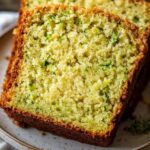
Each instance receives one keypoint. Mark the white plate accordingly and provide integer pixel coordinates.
(31, 138)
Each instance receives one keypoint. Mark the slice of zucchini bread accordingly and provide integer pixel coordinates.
(137, 11)
(72, 72)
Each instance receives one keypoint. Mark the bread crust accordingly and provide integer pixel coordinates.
(141, 83)
(61, 128)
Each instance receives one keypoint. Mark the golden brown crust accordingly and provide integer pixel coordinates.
(14, 63)
(58, 129)
(141, 83)
(62, 128)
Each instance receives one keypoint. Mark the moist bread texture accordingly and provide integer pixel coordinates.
(72, 72)
(137, 11)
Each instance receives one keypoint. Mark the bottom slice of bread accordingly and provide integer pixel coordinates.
(26, 120)
(72, 72)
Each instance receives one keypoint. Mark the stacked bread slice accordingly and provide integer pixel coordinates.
(76, 67)
(136, 11)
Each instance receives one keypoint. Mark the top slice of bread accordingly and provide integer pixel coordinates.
(137, 11)
(72, 71)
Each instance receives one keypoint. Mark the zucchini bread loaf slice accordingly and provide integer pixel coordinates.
(72, 72)
(137, 11)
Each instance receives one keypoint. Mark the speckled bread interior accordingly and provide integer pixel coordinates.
(87, 89)
(126, 9)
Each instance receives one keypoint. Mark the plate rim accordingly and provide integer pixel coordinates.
(31, 147)
(15, 139)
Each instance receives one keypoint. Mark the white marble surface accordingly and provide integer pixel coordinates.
(5, 146)
(7, 21)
